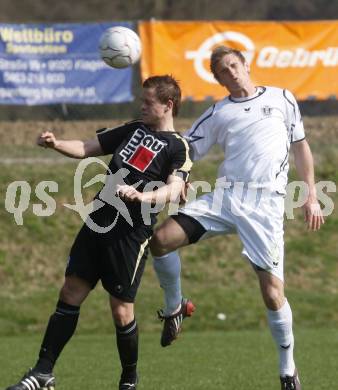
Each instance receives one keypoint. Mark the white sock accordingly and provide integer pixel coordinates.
(280, 323)
(168, 271)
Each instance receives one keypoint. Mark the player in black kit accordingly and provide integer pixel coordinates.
(112, 244)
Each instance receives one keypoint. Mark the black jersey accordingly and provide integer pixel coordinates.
(147, 155)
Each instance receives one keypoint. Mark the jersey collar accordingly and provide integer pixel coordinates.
(259, 91)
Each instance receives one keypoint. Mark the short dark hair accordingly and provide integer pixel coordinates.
(219, 52)
(166, 88)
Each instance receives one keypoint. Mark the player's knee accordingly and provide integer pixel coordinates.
(74, 292)
(122, 315)
(159, 244)
(69, 296)
(273, 298)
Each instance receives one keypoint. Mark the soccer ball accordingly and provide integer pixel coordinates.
(120, 47)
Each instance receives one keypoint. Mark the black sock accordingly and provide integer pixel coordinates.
(127, 345)
(60, 329)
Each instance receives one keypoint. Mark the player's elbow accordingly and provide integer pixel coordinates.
(91, 148)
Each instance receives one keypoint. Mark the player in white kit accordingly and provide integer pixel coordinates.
(256, 127)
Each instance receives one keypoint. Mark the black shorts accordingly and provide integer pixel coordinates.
(116, 258)
(192, 228)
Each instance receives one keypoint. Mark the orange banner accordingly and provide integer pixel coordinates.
(299, 56)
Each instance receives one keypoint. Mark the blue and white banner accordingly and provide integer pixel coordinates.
(59, 63)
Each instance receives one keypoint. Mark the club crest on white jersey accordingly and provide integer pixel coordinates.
(141, 150)
(266, 110)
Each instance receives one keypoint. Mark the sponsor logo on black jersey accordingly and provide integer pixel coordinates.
(141, 150)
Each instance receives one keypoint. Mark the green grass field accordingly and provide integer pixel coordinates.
(198, 360)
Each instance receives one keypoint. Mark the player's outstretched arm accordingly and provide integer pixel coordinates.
(171, 191)
(71, 148)
(304, 165)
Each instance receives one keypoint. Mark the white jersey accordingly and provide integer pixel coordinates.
(255, 134)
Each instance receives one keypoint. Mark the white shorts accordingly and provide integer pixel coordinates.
(255, 216)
